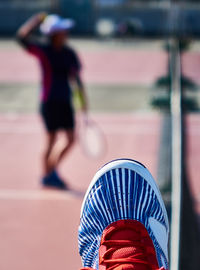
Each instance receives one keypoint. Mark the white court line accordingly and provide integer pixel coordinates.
(43, 195)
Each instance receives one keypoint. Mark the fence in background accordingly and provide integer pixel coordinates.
(14, 12)
(152, 16)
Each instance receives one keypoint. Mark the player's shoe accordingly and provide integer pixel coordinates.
(54, 181)
(124, 223)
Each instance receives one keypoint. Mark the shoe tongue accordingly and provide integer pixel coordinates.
(124, 251)
(124, 235)
(127, 251)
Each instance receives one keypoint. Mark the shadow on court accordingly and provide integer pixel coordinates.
(190, 230)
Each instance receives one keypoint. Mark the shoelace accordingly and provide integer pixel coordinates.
(113, 245)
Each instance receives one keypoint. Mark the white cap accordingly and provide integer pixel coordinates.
(54, 23)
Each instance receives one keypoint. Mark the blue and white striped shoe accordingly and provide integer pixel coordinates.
(122, 190)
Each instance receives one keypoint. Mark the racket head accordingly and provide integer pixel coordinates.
(92, 139)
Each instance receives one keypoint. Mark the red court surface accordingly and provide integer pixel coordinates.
(38, 227)
(106, 66)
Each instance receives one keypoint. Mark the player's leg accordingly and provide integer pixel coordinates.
(53, 179)
(57, 117)
(124, 223)
(50, 124)
(50, 140)
(70, 139)
(67, 123)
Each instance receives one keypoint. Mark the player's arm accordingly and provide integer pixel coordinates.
(82, 93)
(75, 76)
(30, 25)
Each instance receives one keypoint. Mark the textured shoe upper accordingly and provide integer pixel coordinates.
(121, 194)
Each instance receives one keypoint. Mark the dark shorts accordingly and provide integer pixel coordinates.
(57, 116)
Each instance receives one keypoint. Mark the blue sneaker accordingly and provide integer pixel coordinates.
(124, 223)
(54, 181)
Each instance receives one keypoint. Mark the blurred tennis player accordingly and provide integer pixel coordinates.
(59, 66)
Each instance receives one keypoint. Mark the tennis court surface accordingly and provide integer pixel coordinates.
(39, 227)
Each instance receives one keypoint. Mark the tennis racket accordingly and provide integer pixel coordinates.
(92, 139)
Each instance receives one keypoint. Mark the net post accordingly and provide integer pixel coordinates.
(176, 159)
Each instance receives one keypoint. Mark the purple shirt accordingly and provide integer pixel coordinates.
(57, 67)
